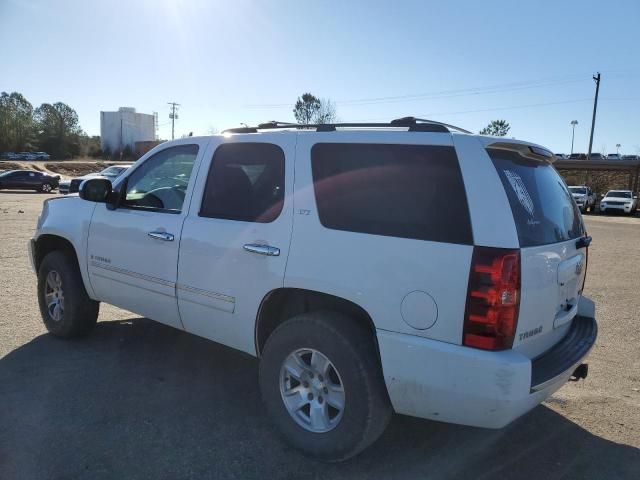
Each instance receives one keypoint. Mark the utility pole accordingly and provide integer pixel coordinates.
(595, 106)
(173, 116)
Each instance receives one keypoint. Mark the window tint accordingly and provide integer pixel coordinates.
(409, 191)
(160, 183)
(542, 206)
(245, 182)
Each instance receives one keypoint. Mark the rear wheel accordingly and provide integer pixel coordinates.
(66, 309)
(322, 383)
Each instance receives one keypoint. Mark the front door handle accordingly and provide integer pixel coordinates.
(167, 237)
(262, 249)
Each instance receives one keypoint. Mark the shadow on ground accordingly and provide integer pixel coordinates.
(140, 400)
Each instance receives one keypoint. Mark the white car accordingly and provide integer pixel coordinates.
(620, 201)
(335, 254)
(72, 186)
(585, 197)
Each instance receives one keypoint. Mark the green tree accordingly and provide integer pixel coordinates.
(497, 128)
(311, 109)
(58, 129)
(306, 108)
(16, 123)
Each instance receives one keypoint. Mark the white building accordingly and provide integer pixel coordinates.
(124, 128)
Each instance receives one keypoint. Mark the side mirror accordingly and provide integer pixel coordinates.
(96, 190)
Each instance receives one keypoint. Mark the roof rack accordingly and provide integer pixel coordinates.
(413, 124)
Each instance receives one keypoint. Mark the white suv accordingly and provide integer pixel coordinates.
(620, 201)
(372, 268)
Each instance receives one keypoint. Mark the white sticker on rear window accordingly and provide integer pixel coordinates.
(521, 190)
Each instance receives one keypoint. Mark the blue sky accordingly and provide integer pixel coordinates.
(232, 61)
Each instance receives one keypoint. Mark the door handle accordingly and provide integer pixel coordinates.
(167, 237)
(262, 249)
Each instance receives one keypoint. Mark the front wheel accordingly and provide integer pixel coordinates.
(66, 309)
(46, 188)
(322, 383)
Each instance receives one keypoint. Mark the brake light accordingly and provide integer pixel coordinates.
(493, 299)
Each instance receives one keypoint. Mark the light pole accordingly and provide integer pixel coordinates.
(618, 149)
(573, 133)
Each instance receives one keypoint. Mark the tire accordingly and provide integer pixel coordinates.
(77, 313)
(351, 351)
(46, 188)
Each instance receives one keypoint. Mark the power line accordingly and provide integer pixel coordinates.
(472, 91)
(492, 109)
(488, 89)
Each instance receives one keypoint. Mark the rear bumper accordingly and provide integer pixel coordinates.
(440, 381)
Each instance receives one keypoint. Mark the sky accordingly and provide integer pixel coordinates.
(228, 62)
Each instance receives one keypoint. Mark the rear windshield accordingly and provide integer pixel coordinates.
(580, 190)
(542, 206)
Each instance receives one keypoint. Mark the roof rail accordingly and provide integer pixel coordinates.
(413, 124)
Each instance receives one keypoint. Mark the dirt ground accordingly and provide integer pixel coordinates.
(140, 400)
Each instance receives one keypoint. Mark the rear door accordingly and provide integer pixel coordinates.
(553, 264)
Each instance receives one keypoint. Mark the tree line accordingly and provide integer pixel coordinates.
(52, 127)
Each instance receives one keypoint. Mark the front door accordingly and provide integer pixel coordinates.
(236, 238)
(133, 250)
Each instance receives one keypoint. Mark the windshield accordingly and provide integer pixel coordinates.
(619, 194)
(112, 171)
(580, 190)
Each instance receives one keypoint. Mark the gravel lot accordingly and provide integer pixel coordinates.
(141, 400)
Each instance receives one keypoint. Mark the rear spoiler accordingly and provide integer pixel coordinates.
(529, 150)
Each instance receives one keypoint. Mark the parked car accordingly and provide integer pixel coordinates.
(585, 197)
(41, 155)
(72, 186)
(28, 180)
(630, 157)
(614, 156)
(619, 200)
(561, 156)
(578, 156)
(5, 155)
(597, 156)
(11, 156)
(332, 257)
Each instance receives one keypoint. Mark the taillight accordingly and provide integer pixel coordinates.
(493, 299)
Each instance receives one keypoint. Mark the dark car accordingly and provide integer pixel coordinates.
(28, 180)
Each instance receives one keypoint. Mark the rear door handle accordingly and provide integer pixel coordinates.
(262, 249)
(167, 237)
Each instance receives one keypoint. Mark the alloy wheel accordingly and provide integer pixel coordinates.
(54, 296)
(312, 390)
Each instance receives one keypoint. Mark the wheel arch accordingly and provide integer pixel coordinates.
(283, 303)
(47, 243)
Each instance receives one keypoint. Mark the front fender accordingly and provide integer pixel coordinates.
(69, 218)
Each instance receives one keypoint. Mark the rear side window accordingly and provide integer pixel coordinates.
(245, 183)
(408, 191)
(543, 209)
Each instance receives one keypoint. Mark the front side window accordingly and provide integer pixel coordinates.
(407, 191)
(245, 183)
(161, 182)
